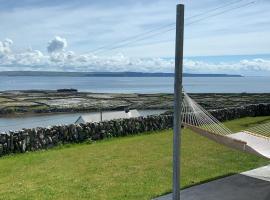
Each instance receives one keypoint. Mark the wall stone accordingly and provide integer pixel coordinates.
(44, 138)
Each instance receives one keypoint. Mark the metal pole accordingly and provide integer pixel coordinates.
(101, 115)
(178, 100)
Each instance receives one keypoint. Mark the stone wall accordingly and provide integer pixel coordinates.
(243, 111)
(44, 138)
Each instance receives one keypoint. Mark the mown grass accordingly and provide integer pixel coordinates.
(138, 167)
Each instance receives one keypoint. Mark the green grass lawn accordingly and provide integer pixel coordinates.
(138, 167)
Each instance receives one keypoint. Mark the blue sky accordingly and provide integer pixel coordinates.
(61, 35)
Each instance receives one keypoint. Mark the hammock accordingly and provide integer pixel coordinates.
(255, 140)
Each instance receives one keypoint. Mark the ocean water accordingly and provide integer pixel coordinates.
(138, 84)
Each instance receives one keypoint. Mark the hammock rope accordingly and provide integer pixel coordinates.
(194, 114)
(262, 129)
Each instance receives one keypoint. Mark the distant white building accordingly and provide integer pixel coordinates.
(107, 116)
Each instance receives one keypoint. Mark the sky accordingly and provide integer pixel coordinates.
(95, 35)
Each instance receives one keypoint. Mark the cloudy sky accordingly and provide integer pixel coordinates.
(125, 35)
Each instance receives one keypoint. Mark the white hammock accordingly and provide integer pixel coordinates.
(255, 140)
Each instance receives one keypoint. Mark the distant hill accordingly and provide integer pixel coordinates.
(107, 74)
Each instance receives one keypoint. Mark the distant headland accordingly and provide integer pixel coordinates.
(107, 74)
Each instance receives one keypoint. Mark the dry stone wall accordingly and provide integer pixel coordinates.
(44, 138)
(243, 111)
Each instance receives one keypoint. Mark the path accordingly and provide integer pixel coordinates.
(251, 185)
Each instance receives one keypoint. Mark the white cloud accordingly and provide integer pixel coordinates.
(245, 67)
(28, 58)
(5, 47)
(61, 60)
(57, 44)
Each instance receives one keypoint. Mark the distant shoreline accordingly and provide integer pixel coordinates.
(107, 74)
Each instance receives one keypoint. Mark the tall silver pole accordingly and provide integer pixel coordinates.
(101, 115)
(178, 100)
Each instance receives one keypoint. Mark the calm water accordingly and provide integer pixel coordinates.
(138, 84)
(17, 123)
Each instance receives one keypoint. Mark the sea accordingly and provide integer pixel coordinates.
(138, 84)
(119, 85)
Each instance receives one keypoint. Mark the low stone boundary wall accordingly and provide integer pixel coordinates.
(44, 138)
(243, 111)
